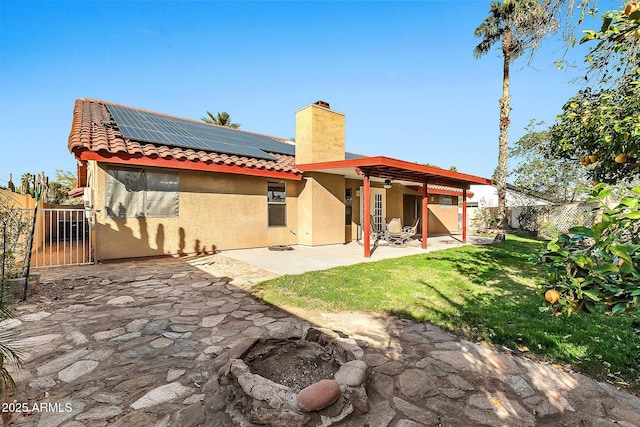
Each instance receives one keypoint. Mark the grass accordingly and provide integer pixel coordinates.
(477, 292)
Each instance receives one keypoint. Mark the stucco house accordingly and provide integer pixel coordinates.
(159, 184)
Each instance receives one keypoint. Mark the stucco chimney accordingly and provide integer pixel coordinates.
(319, 134)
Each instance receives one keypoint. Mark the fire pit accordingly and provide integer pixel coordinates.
(293, 363)
(310, 381)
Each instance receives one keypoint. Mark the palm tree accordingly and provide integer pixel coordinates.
(512, 22)
(223, 119)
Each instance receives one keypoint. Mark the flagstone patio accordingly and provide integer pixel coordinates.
(146, 343)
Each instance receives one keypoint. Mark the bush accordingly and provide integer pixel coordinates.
(14, 237)
(597, 268)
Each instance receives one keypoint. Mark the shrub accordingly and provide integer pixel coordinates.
(597, 267)
(14, 233)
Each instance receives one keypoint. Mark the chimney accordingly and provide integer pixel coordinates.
(319, 134)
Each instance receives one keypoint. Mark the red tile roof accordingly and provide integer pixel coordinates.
(93, 129)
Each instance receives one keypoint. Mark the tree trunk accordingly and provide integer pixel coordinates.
(503, 138)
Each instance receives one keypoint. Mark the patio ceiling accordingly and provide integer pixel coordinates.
(396, 170)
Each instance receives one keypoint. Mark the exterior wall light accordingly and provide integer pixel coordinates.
(387, 183)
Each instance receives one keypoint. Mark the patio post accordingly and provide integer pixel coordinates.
(425, 214)
(464, 215)
(366, 213)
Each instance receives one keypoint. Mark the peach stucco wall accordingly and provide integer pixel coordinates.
(216, 211)
(223, 211)
(440, 220)
(321, 210)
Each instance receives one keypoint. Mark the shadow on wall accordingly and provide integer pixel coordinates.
(436, 225)
(127, 238)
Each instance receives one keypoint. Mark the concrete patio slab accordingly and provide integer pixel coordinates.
(312, 258)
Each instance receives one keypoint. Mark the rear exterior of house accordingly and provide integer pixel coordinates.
(153, 194)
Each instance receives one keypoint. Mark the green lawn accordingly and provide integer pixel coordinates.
(477, 292)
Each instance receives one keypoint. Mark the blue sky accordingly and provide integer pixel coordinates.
(403, 73)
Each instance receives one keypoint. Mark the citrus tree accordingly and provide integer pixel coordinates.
(598, 267)
(600, 126)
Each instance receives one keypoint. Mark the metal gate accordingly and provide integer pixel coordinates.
(62, 237)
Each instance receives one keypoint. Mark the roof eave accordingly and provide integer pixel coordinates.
(172, 163)
(381, 166)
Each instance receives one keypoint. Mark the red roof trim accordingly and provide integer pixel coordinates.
(440, 191)
(126, 159)
(449, 193)
(76, 192)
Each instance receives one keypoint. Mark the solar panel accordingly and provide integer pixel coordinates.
(352, 156)
(156, 128)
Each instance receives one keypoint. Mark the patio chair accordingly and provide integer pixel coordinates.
(398, 236)
(374, 232)
(393, 233)
(411, 230)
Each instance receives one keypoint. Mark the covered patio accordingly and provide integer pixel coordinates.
(387, 170)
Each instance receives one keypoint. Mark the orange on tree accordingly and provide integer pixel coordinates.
(631, 7)
(552, 296)
(621, 158)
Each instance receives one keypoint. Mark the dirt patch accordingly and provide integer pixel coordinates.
(293, 363)
(59, 289)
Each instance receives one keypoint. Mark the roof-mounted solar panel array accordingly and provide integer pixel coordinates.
(156, 128)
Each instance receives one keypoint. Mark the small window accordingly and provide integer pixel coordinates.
(446, 202)
(348, 206)
(277, 204)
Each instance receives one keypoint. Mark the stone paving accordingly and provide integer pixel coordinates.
(144, 343)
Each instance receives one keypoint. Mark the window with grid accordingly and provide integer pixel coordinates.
(277, 204)
(377, 211)
(141, 193)
(446, 202)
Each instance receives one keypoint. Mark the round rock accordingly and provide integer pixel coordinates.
(352, 374)
(318, 395)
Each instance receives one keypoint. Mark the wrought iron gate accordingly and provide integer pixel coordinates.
(62, 237)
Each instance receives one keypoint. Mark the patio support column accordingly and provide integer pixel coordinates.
(464, 215)
(425, 215)
(366, 213)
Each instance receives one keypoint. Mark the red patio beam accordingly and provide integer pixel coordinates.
(425, 215)
(366, 212)
(464, 216)
(386, 167)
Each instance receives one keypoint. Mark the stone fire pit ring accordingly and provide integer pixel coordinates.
(322, 403)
